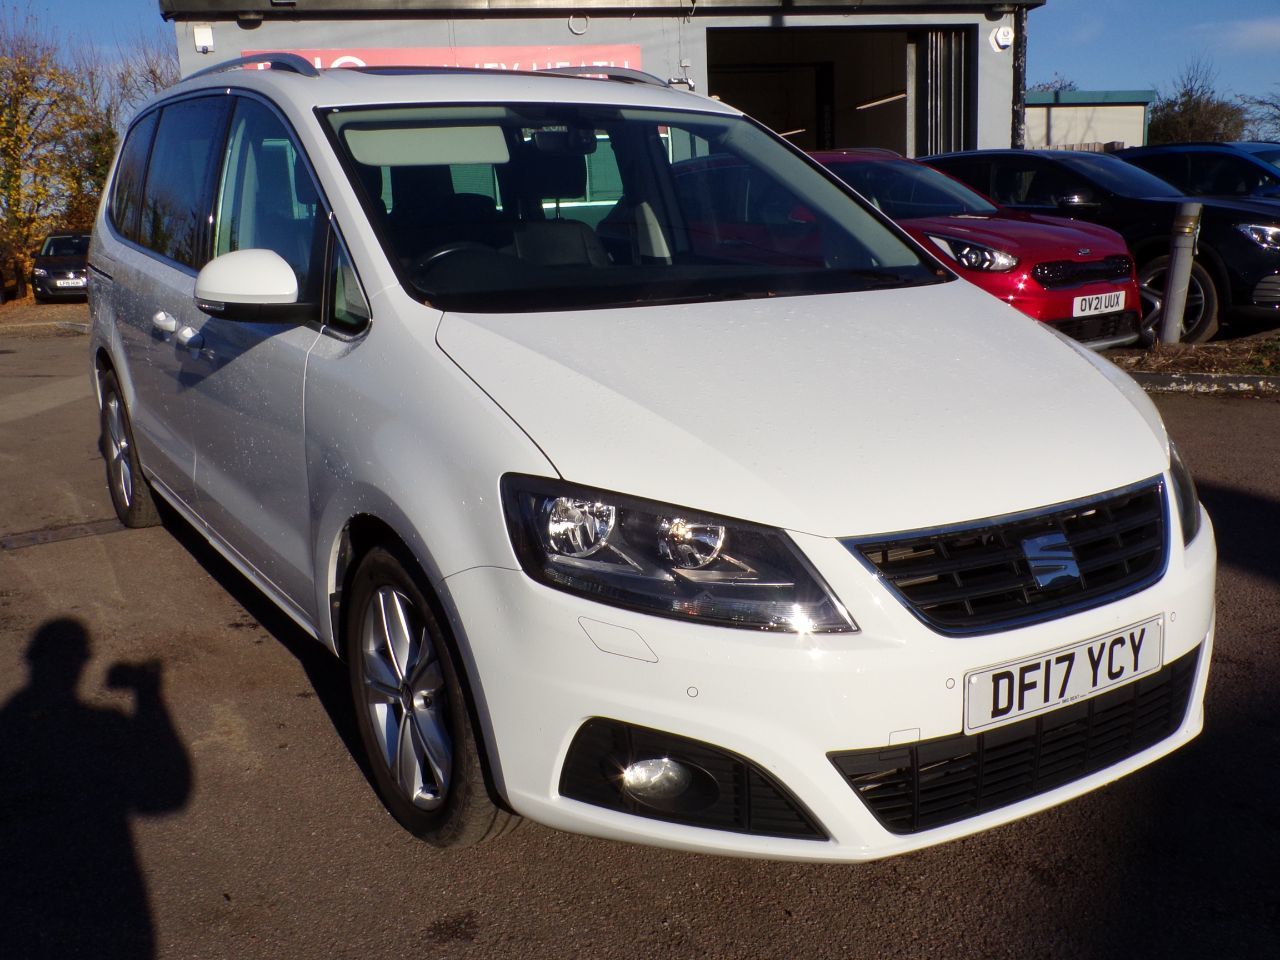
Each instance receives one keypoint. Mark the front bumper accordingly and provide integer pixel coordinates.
(48, 287)
(548, 662)
(1098, 331)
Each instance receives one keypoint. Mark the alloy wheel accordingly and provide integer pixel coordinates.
(1151, 288)
(118, 451)
(406, 699)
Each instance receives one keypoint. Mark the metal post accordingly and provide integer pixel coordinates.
(1018, 127)
(1182, 250)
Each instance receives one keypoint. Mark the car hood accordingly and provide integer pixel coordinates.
(1049, 237)
(834, 415)
(1266, 207)
(62, 263)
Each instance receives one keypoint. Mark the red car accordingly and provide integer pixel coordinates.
(1077, 276)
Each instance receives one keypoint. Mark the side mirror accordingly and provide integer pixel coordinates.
(250, 286)
(1077, 199)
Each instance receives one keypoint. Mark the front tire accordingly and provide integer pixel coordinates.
(131, 494)
(412, 709)
(1199, 319)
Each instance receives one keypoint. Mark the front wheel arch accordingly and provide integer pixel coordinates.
(468, 809)
(360, 535)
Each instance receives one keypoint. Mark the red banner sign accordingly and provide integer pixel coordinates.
(494, 58)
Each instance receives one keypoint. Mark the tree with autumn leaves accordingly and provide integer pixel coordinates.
(60, 118)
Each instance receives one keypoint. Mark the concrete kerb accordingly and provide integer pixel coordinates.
(49, 325)
(1233, 384)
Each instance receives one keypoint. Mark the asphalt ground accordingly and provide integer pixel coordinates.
(179, 773)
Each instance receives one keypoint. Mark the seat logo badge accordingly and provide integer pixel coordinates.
(1083, 252)
(1051, 559)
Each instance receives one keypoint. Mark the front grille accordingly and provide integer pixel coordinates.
(1105, 326)
(978, 578)
(745, 798)
(936, 782)
(1072, 273)
(1267, 292)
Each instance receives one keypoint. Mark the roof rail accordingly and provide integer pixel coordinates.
(289, 62)
(626, 74)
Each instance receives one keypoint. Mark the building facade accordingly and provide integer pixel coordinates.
(1069, 118)
(916, 76)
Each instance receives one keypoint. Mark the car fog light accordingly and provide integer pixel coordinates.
(656, 780)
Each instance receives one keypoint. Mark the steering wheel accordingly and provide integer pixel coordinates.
(448, 249)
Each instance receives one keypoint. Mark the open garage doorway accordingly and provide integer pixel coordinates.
(829, 87)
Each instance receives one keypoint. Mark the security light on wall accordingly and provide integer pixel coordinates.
(202, 35)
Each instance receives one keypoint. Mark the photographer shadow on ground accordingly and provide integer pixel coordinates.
(71, 778)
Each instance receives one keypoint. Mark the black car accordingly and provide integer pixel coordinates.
(1238, 169)
(1238, 258)
(61, 267)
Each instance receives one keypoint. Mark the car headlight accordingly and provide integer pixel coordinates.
(1261, 234)
(665, 560)
(1184, 491)
(39, 272)
(975, 256)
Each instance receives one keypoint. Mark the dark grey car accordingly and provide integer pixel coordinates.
(60, 268)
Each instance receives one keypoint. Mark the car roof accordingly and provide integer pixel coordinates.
(1067, 158)
(295, 81)
(1234, 147)
(857, 153)
(999, 152)
(1256, 146)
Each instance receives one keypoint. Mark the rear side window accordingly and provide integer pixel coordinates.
(1171, 167)
(1033, 184)
(1221, 174)
(126, 194)
(180, 179)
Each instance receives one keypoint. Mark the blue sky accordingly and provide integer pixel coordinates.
(1144, 44)
(1100, 44)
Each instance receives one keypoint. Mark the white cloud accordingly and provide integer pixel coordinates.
(1260, 34)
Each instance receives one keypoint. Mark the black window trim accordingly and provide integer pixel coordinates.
(333, 242)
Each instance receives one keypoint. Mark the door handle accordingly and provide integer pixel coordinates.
(190, 338)
(164, 322)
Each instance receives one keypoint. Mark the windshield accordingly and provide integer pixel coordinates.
(1116, 175)
(551, 206)
(904, 190)
(65, 247)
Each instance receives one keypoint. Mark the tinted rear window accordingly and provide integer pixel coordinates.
(126, 194)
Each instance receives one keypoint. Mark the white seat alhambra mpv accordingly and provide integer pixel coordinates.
(649, 482)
